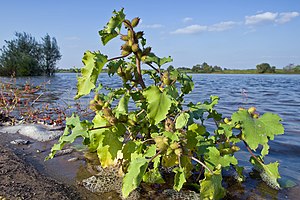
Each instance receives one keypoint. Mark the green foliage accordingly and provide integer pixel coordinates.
(93, 64)
(162, 130)
(133, 177)
(24, 56)
(258, 131)
(50, 55)
(265, 68)
(211, 185)
(158, 104)
(205, 68)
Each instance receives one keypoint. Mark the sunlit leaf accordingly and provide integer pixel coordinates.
(182, 120)
(112, 28)
(79, 129)
(93, 64)
(179, 178)
(105, 156)
(213, 159)
(134, 176)
(158, 104)
(211, 186)
(122, 108)
(258, 131)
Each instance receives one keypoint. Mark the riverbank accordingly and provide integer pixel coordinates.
(25, 175)
(20, 180)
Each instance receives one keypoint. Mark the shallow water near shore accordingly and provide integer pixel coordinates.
(269, 93)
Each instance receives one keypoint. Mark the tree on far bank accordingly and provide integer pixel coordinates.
(265, 68)
(205, 68)
(292, 68)
(24, 56)
(20, 56)
(51, 55)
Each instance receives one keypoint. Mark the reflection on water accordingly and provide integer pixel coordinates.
(269, 93)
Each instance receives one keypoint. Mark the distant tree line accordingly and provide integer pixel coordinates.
(260, 68)
(292, 68)
(24, 56)
(199, 68)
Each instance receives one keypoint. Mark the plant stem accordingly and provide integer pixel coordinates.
(157, 154)
(252, 154)
(138, 65)
(118, 57)
(101, 127)
(201, 163)
(147, 140)
(158, 71)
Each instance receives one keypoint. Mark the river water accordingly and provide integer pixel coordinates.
(279, 94)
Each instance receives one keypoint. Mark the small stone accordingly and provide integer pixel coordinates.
(73, 159)
(64, 152)
(20, 142)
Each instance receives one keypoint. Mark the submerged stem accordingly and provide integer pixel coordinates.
(252, 154)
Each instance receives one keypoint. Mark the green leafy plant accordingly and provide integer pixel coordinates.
(162, 130)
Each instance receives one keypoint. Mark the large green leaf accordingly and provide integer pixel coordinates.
(74, 129)
(213, 159)
(179, 178)
(269, 173)
(97, 136)
(105, 157)
(211, 186)
(258, 131)
(106, 141)
(122, 108)
(182, 120)
(113, 27)
(93, 64)
(134, 176)
(112, 144)
(157, 60)
(159, 104)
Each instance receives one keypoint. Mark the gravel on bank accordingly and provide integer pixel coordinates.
(20, 180)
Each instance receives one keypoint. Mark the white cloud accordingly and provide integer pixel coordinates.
(193, 29)
(187, 19)
(270, 17)
(251, 21)
(260, 18)
(222, 26)
(152, 26)
(286, 17)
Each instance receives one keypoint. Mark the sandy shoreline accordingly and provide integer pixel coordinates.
(20, 180)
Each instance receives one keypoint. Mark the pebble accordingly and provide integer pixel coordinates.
(64, 152)
(73, 159)
(20, 142)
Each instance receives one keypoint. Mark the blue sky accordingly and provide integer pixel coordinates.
(229, 33)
